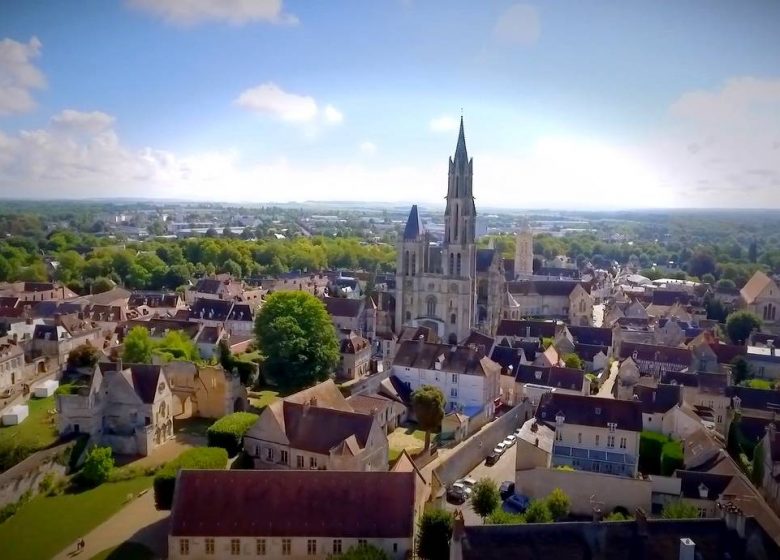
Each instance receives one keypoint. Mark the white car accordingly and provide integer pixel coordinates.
(500, 448)
(468, 482)
(510, 440)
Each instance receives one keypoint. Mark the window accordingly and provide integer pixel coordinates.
(454, 393)
(458, 268)
(260, 547)
(454, 377)
(579, 437)
(408, 315)
(313, 462)
(209, 546)
(283, 458)
(597, 440)
(622, 443)
(336, 546)
(362, 542)
(311, 547)
(610, 441)
(286, 547)
(720, 419)
(184, 547)
(235, 547)
(395, 547)
(299, 461)
(269, 453)
(431, 306)
(612, 426)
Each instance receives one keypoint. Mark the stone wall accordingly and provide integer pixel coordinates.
(28, 474)
(474, 450)
(608, 490)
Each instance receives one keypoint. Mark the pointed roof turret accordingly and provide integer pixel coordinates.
(414, 226)
(460, 149)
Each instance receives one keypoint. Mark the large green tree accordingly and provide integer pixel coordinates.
(740, 324)
(295, 334)
(137, 346)
(485, 497)
(433, 537)
(428, 404)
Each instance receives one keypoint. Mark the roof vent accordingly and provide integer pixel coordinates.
(598, 410)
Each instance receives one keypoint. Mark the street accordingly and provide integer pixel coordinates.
(503, 470)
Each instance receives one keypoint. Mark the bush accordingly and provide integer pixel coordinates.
(228, 432)
(433, 537)
(501, 517)
(558, 503)
(679, 510)
(46, 483)
(617, 516)
(76, 452)
(538, 512)
(651, 445)
(97, 466)
(212, 458)
(10, 509)
(84, 356)
(671, 457)
(485, 497)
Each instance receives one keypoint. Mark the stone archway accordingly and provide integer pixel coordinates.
(182, 408)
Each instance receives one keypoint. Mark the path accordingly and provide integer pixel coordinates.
(139, 521)
(606, 388)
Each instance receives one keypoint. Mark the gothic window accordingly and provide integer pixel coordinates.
(453, 319)
(457, 220)
(431, 305)
(414, 264)
(769, 312)
(582, 306)
(457, 185)
(458, 265)
(451, 270)
(408, 315)
(406, 263)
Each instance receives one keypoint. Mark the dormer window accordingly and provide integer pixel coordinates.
(612, 426)
(598, 410)
(559, 418)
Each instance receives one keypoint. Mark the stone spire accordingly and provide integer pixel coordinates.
(461, 155)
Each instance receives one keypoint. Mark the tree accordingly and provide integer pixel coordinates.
(84, 355)
(97, 466)
(232, 267)
(740, 324)
(573, 361)
(538, 512)
(102, 284)
(708, 278)
(725, 284)
(679, 510)
(617, 516)
(433, 538)
(361, 552)
(485, 497)
(428, 404)
(558, 503)
(740, 370)
(137, 346)
(753, 251)
(701, 262)
(177, 346)
(295, 334)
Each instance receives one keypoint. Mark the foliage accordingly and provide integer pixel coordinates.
(435, 530)
(246, 370)
(651, 446)
(679, 510)
(137, 346)
(617, 516)
(573, 361)
(757, 472)
(83, 356)
(565, 468)
(501, 517)
(10, 509)
(558, 503)
(725, 284)
(740, 370)
(212, 458)
(671, 457)
(76, 451)
(66, 517)
(428, 403)
(740, 324)
(35, 433)
(737, 443)
(295, 334)
(228, 432)
(547, 342)
(485, 497)
(538, 512)
(97, 466)
(361, 552)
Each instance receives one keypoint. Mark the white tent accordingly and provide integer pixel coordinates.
(15, 414)
(45, 388)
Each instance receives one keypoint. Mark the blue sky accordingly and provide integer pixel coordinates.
(567, 104)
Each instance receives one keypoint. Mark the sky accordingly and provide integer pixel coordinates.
(572, 105)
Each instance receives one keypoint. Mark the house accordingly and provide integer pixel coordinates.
(389, 412)
(706, 393)
(561, 379)
(240, 320)
(657, 400)
(297, 514)
(218, 288)
(208, 339)
(316, 429)
(355, 359)
(11, 364)
(349, 314)
(561, 299)
(525, 329)
(764, 361)
(591, 433)
(769, 455)
(210, 312)
(159, 304)
(652, 359)
(55, 339)
(126, 407)
(469, 380)
(761, 296)
(36, 291)
(203, 391)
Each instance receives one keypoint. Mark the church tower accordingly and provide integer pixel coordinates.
(524, 252)
(460, 214)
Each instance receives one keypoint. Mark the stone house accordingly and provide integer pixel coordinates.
(355, 352)
(389, 412)
(561, 379)
(159, 304)
(126, 407)
(66, 332)
(203, 391)
(305, 514)
(761, 296)
(357, 315)
(11, 364)
(706, 394)
(770, 466)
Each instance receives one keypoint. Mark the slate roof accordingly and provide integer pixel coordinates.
(318, 430)
(414, 226)
(691, 481)
(587, 351)
(211, 309)
(726, 353)
(523, 328)
(590, 411)
(544, 287)
(655, 353)
(144, 378)
(596, 336)
(240, 312)
(485, 259)
(352, 343)
(670, 297)
(558, 377)
(659, 399)
(207, 286)
(343, 307)
(426, 354)
(153, 299)
(759, 399)
(554, 271)
(293, 503)
(479, 339)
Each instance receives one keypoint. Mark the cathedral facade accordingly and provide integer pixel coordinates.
(450, 285)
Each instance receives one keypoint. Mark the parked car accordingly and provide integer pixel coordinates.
(492, 459)
(506, 489)
(500, 448)
(516, 503)
(517, 432)
(468, 482)
(510, 440)
(458, 493)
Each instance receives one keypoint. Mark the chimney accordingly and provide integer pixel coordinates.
(420, 343)
(528, 332)
(314, 401)
(687, 549)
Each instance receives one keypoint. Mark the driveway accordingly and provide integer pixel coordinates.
(503, 470)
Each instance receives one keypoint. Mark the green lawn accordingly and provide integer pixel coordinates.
(758, 384)
(261, 399)
(419, 434)
(249, 356)
(36, 432)
(46, 525)
(125, 551)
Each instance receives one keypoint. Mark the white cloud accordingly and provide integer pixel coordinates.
(234, 12)
(270, 99)
(332, 115)
(367, 148)
(18, 75)
(92, 122)
(519, 24)
(444, 123)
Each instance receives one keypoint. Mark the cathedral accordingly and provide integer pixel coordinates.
(450, 285)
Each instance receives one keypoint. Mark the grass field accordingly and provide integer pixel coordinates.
(47, 524)
(125, 551)
(36, 432)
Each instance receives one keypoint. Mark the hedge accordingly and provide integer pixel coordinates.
(671, 457)
(651, 446)
(212, 458)
(228, 432)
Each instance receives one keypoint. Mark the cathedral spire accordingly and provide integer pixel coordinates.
(460, 149)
